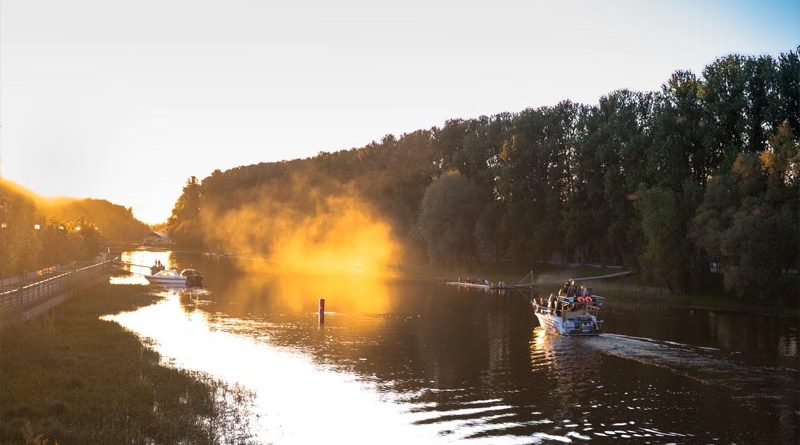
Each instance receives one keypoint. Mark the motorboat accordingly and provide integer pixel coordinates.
(186, 277)
(193, 277)
(572, 311)
(167, 277)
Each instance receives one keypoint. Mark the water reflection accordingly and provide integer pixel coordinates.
(298, 401)
(405, 361)
(787, 346)
(269, 293)
(756, 336)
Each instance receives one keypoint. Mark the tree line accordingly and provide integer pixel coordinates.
(36, 233)
(695, 181)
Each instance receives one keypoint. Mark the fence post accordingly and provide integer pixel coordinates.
(20, 288)
(16, 299)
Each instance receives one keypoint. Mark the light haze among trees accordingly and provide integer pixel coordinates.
(704, 171)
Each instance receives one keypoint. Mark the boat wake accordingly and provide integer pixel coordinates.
(708, 366)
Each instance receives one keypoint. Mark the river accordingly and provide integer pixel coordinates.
(401, 361)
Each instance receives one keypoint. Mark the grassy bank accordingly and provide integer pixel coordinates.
(701, 301)
(501, 271)
(71, 378)
(631, 288)
(548, 277)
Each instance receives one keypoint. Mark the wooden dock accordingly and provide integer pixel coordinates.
(491, 286)
(597, 277)
(498, 286)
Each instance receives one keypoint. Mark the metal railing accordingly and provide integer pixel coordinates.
(31, 294)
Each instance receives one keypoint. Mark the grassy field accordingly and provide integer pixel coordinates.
(71, 378)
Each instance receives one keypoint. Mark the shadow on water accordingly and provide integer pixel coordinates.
(400, 361)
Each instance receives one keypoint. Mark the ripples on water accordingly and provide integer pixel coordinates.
(440, 365)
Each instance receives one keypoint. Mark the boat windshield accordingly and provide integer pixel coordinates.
(168, 273)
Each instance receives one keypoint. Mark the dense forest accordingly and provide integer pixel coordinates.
(696, 181)
(36, 232)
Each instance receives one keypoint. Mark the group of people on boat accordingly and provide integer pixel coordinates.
(482, 281)
(473, 280)
(568, 298)
(571, 310)
(156, 267)
(571, 290)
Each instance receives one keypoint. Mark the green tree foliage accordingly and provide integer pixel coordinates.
(90, 240)
(788, 90)
(447, 218)
(724, 102)
(666, 181)
(114, 222)
(677, 151)
(751, 249)
(19, 245)
(31, 239)
(184, 224)
(749, 218)
(61, 242)
(620, 134)
(667, 251)
(534, 181)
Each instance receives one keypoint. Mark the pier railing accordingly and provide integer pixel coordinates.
(29, 295)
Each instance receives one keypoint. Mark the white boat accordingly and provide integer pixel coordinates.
(186, 277)
(573, 311)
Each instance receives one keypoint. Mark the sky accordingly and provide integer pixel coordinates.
(125, 99)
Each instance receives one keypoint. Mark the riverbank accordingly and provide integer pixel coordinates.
(69, 377)
(705, 302)
(548, 278)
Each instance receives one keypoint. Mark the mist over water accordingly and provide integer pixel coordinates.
(303, 228)
(412, 362)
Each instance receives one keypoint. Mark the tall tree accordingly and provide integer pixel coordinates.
(667, 255)
(184, 226)
(761, 76)
(788, 90)
(678, 151)
(447, 218)
(724, 99)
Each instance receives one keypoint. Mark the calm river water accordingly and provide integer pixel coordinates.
(417, 362)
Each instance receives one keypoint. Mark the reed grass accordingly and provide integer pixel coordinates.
(70, 378)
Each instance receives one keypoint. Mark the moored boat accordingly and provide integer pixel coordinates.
(572, 311)
(186, 277)
(193, 277)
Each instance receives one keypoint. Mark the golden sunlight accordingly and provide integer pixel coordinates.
(327, 234)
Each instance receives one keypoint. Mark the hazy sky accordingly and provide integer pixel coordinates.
(124, 100)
